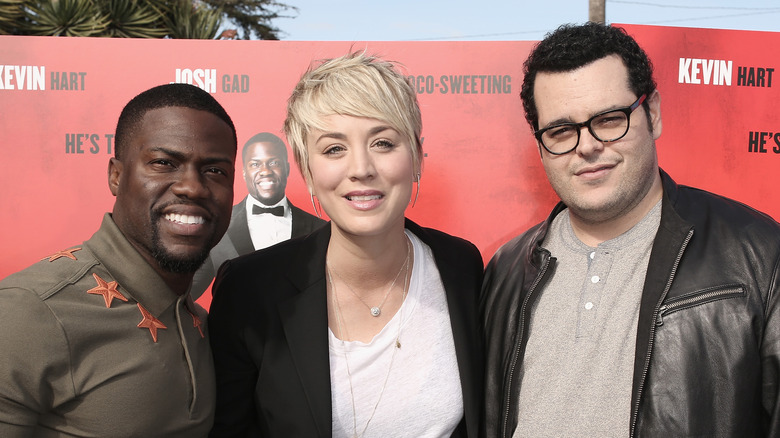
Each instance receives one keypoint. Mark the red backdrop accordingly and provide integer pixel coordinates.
(482, 179)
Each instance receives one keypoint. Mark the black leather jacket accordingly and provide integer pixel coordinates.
(707, 360)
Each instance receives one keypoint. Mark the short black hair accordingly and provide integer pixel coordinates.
(572, 46)
(163, 96)
(264, 137)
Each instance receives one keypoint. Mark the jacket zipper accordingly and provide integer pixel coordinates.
(513, 365)
(697, 299)
(635, 414)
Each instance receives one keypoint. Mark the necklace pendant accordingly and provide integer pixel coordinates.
(376, 311)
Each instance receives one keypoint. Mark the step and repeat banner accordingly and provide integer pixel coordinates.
(482, 177)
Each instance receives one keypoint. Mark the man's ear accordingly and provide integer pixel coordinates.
(114, 175)
(654, 105)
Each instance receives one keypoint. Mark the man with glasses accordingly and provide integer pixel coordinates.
(639, 307)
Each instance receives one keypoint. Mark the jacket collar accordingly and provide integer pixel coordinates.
(305, 323)
(668, 246)
(305, 271)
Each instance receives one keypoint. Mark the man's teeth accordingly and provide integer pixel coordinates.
(363, 198)
(184, 219)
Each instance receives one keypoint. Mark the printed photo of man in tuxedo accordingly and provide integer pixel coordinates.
(265, 216)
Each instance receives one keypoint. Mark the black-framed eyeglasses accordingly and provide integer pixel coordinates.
(607, 126)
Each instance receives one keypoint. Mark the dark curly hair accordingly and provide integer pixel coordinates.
(572, 46)
(163, 96)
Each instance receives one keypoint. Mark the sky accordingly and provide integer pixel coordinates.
(505, 20)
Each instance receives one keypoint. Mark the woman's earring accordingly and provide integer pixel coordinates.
(416, 192)
(314, 205)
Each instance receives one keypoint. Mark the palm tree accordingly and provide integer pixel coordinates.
(189, 20)
(193, 19)
(133, 19)
(11, 13)
(65, 18)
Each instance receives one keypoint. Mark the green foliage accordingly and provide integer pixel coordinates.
(65, 18)
(133, 19)
(186, 20)
(192, 19)
(254, 17)
(11, 13)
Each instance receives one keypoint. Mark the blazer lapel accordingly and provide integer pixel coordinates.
(457, 279)
(305, 322)
(239, 229)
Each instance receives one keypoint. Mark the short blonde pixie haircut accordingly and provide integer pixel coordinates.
(358, 85)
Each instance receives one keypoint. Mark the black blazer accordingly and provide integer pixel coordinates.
(269, 333)
(237, 242)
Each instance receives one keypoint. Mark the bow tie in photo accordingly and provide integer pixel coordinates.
(276, 211)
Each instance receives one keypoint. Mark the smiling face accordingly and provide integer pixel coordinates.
(362, 173)
(601, 182)
(174, 186)
(265, 172)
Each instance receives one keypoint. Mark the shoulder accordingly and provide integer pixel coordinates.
(519, 248)
(525, 249)
(269, 259)
(258, 267)
(34, 303)
(441, 242)
(35, 367)
(456, 259)
(272, 270)
(710, 212)
(52, 273)
(28, 307)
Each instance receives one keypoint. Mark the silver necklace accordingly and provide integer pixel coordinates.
(377, 310)
(343, 333)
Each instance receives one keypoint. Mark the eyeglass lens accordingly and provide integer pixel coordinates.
(605, 127)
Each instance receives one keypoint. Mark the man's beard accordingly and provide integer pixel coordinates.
(170, 262)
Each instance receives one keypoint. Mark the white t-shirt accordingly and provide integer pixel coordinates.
(422, 396)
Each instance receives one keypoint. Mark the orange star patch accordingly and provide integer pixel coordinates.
(67, 253)
(107, 289)
(150, 322)
(197, 323)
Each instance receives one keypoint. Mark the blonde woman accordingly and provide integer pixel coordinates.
(367, 327)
